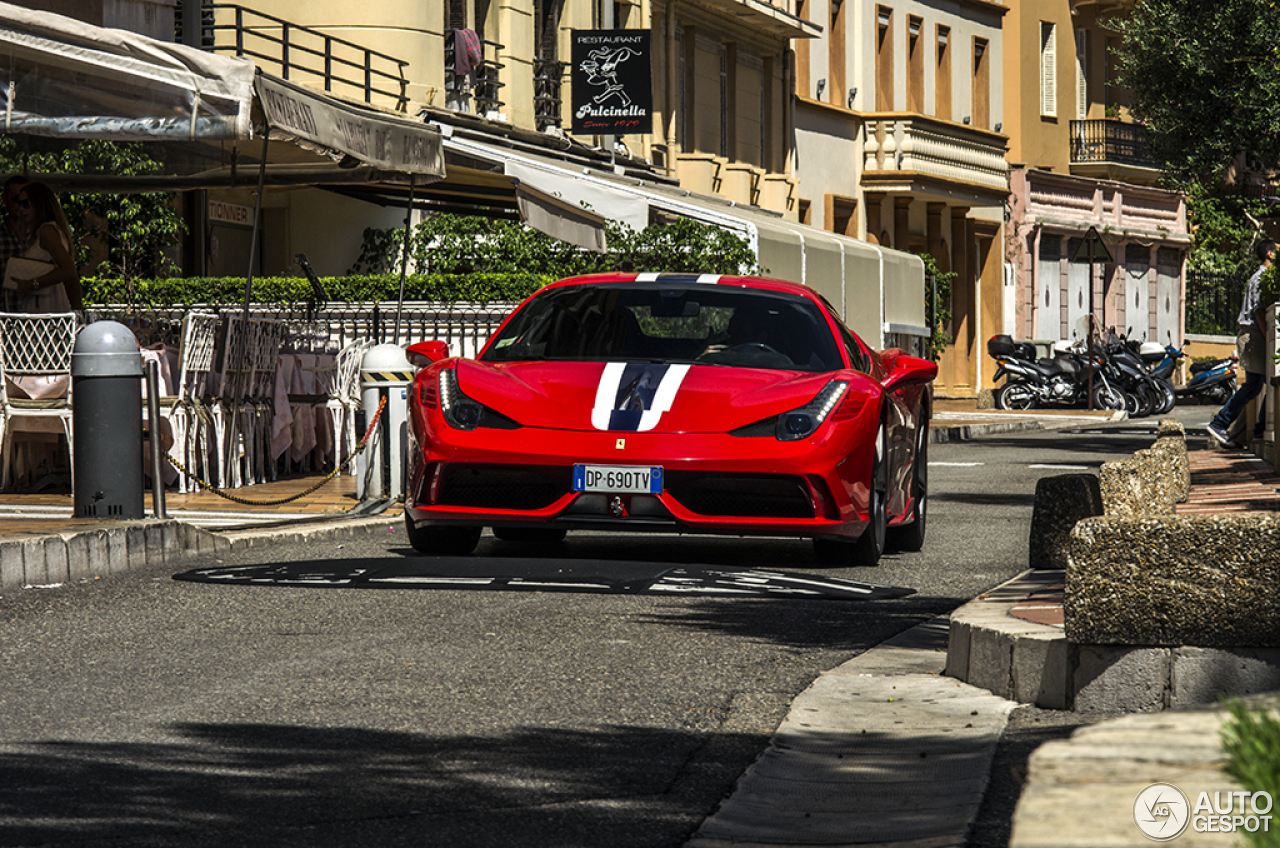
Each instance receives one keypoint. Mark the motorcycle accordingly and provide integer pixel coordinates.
(1145, 394)
(1061, 381)
(1212, 381)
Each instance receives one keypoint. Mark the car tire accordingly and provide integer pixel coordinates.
(910, 537)
(530, 535)
(443, 541)
(870, 545)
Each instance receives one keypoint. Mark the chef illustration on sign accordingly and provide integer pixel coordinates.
(601, 68)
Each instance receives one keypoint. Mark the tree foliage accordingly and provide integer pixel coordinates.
(463, 244)
(1206, 82)
(1222, 234)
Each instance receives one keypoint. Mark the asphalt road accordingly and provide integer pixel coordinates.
(142, 710)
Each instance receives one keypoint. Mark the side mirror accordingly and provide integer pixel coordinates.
(422, 354)
(904, 370)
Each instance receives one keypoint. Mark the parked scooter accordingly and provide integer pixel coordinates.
(1033, 382)
(1212, 382)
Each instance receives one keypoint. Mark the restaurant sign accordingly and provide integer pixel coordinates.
(612, 78)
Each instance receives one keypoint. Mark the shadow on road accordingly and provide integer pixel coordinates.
(285, 786)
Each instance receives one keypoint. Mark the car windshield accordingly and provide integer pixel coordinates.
(703, 324)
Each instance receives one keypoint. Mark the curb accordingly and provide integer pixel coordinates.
(71, 556)
(1033, 663)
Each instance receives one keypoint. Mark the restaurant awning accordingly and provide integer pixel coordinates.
(61, 78)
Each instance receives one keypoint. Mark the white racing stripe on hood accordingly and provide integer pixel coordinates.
(607, 397)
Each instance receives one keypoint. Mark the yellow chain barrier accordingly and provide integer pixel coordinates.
(337, 469)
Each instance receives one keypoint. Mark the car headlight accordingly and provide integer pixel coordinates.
(805, 421)
(460, 411)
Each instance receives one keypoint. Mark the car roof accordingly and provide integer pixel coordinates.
(763, 283)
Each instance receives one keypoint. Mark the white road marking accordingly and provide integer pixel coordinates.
(956, 464)
(1063, 467)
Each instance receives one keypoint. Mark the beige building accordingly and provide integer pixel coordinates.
(900, 141)
(493, 81)
(1080, 165)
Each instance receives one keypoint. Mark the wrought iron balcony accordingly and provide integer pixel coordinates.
(303, 54)
(480, 87)
(548, 77)
(1110, 141)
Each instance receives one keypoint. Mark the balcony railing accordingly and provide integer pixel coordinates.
(927, 146)
(301, 54)
(548, 77)
(481, 87)
(1110, 141)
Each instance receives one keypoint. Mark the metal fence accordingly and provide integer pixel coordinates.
(1213, 302)
(465, 327)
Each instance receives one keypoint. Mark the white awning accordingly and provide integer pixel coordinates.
(63, 78)
(375, 138)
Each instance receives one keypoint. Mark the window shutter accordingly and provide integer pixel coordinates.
(1048, 68)
(1082, 80)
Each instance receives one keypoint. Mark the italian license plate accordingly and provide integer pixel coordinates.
(631, 479)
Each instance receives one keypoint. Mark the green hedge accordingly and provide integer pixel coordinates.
(354, 289)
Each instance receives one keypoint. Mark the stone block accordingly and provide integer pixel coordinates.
(56, 565)
(1041, 671)
(1060, 502)
(1132, 487)
(34, 570)
(986, 399)
(99, 553)
(153, 532)
(12, 574)
(78, 557)
(991, 660)
(136, 545)
(1172, 469)
(117, 539)
(958, 649)
(1196, 580)
(1111, 678)
(1203, 675)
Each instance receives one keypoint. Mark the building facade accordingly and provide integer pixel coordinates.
(1079, 167)
(900, 141)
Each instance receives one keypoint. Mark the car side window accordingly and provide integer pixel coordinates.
(856, 354)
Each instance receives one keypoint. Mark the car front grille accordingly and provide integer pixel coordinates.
(741, 495)
(503, 486)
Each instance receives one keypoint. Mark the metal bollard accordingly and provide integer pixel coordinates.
(106, 421)
(384, 371)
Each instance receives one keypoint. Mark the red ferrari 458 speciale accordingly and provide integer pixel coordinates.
(672, 403)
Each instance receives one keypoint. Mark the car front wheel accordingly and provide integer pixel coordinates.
(443, 541)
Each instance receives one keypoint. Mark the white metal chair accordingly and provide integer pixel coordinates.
(232, 409)
(189, 417)
(344, 400)
(268, 337)
(34, 346)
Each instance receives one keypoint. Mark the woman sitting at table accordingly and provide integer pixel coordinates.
(58, 289)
